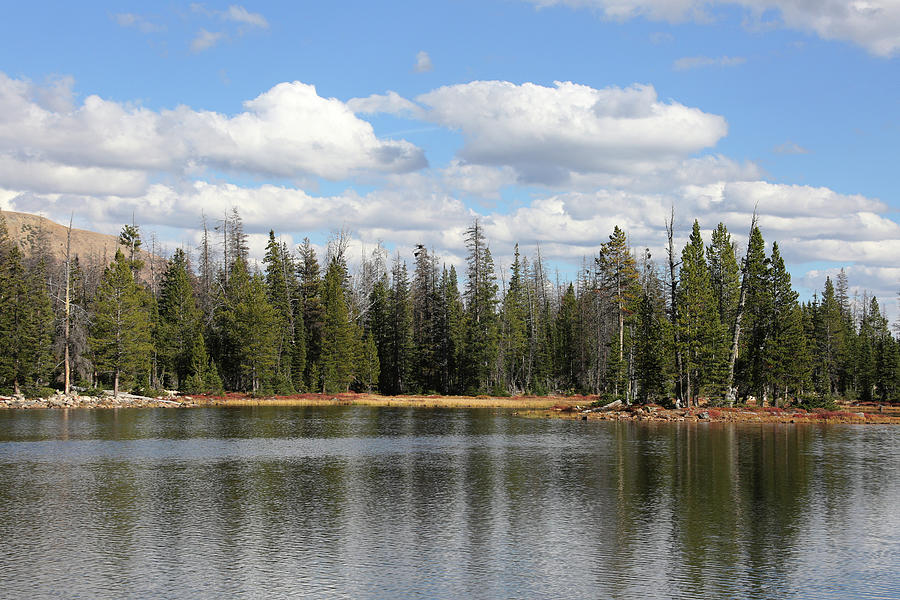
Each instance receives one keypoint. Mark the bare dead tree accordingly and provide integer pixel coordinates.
(736, 330)
(673, 295)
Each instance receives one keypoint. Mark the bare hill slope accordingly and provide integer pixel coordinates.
(28, 230)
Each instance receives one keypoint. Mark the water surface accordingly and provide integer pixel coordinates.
(360, 502)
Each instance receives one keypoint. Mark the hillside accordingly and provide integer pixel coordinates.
(27, 230)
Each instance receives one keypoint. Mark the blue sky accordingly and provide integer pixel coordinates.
(552, 120)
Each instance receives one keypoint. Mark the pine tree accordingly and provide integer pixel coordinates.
(481, 301)
(378, 325)
(886, 355)
(180, 320)
(566, 355)
(541, 326)
(788, 360)
(514, 323)
(698, 320)
(280, 285)
(425, 299)
(26, 320)
(204, 378)
(833, 339)
(249, 326)
(865, 350)
(398, 370)
(754, 358)
(338, 344)
(313, 312)
(369, 365)
(618, 283)
(649, 350)
(452, 333)
(130, 239)
(121, 334)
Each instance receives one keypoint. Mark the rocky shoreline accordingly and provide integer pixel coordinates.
(766, 414)
(75, 400)
(542, 407)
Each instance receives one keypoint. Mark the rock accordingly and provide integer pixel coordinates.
(703, 415)
(612, 405)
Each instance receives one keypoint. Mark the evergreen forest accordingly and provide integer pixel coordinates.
(701, 322)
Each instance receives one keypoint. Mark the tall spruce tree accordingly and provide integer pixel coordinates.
(724, 275)
(788, 361)
(698, 320)
(754, 358)
(885, 356)
(481, 302)
(180, 321)
(313, 312)
(281, 285)
(121, 334)
(618, 283)
(650, 350)
(452, 333)
(566, 337)
(425, 298)
(514, 324)
(398, 369)
(250, 332)
(338, 343)
(26, 320)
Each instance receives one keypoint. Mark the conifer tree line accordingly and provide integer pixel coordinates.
(705, 324)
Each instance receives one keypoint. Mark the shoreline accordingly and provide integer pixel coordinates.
(559, 407)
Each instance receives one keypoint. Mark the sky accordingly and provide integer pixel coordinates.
(551, 121)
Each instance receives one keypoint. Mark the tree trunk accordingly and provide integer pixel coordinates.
(68, 368)
(679, 387)
(116, 385)
(736, 331)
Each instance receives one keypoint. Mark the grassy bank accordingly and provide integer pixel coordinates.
(420, 401)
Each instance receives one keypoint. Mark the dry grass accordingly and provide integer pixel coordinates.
(351, 399)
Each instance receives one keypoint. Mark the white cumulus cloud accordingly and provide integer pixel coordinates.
(287, 131)
(549, 133)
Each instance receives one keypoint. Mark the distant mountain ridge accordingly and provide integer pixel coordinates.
(30, 231)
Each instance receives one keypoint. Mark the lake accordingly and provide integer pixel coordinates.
(360, 502)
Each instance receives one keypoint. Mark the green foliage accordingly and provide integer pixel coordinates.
(369, 366)
(813, 401)
(26, 320)
(699, 326)
(120, 336)
(610, 331)
(249, 327)
(515, 334)
(396, 368)
(338, 341)
(282, 290)
(481, 343)
(312, 314)
(650, 351)
(787, 356)
(179, 321)
(618, 283)
(724, 274)
(567, 340)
